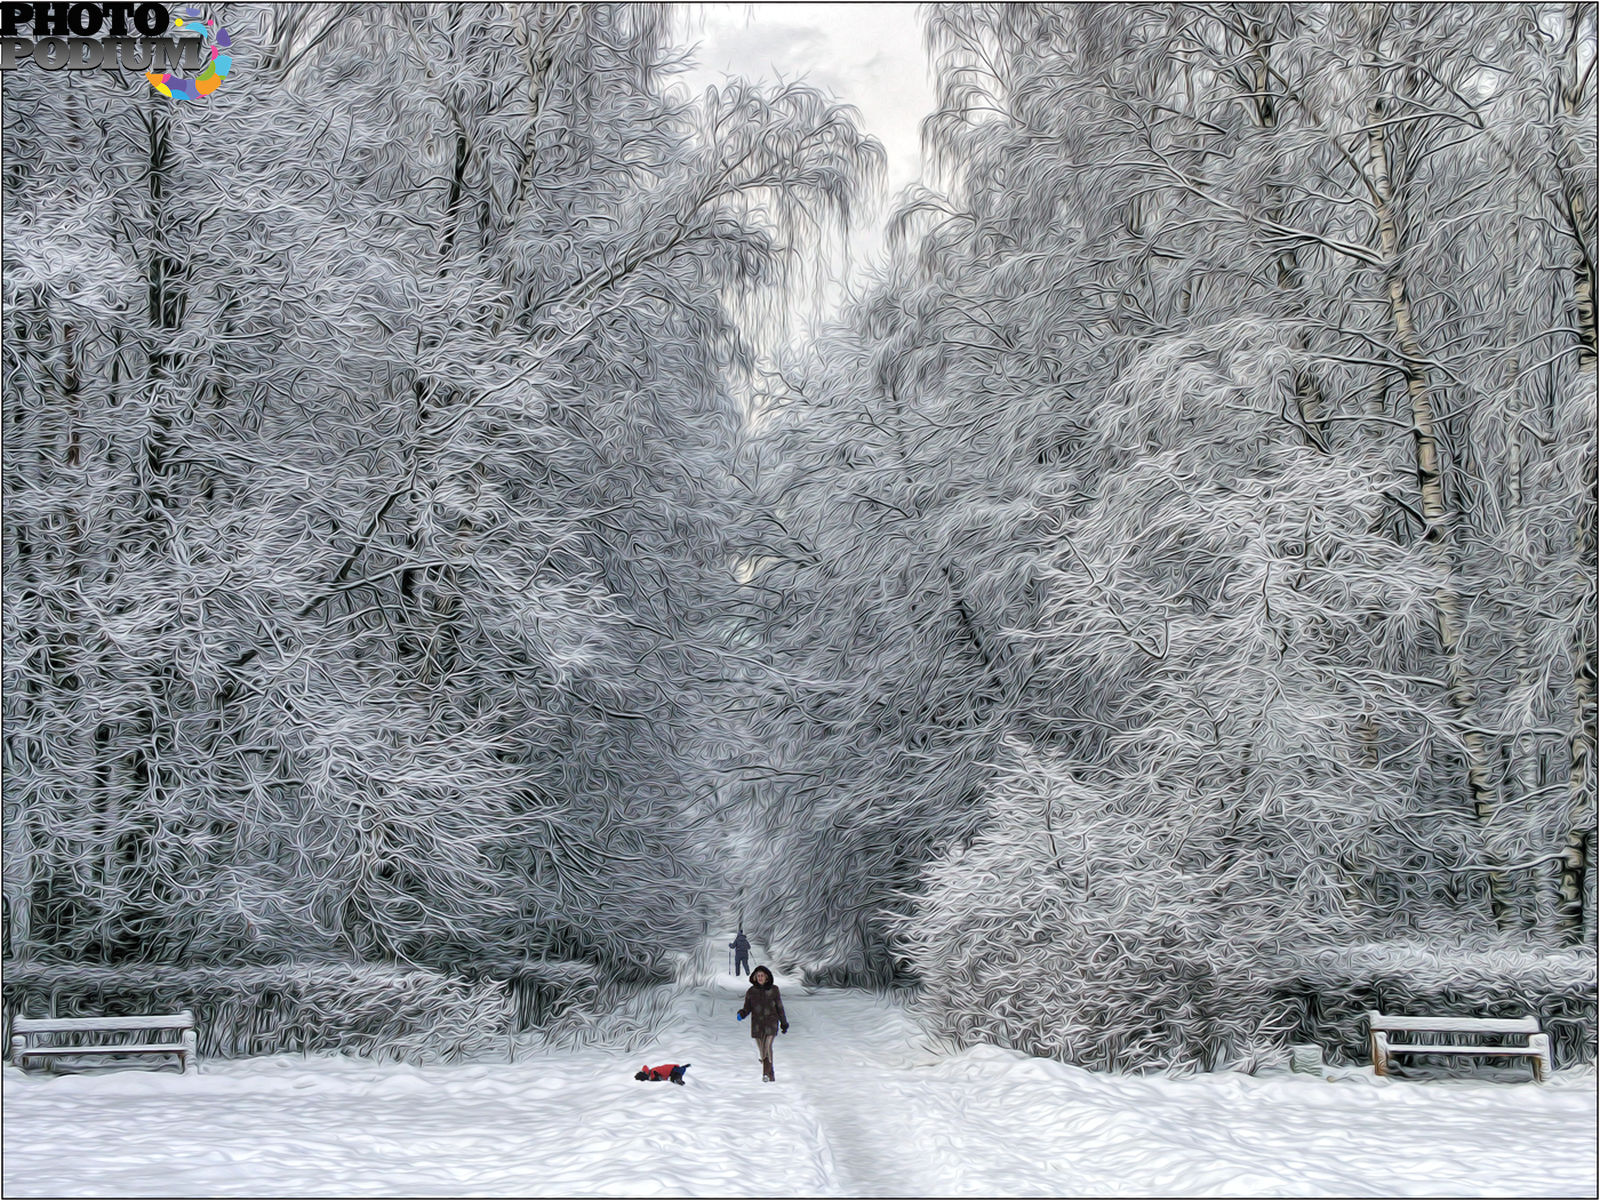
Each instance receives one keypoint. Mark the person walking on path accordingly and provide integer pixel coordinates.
(764, 1007)
(741, 953)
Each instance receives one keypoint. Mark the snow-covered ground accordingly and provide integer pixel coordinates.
(863, 1105)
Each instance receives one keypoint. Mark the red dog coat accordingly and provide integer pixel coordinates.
(666, 1071)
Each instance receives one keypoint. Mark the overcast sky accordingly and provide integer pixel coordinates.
(868, 55)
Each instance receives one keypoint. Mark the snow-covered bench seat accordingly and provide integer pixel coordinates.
(1382, 1025)
(106, 1040)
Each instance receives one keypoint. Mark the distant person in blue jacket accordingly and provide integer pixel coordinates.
(741, 953)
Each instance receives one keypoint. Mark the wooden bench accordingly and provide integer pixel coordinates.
(1380, 1026)
(131, 1038)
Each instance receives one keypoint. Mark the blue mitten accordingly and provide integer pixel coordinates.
(741, 1017)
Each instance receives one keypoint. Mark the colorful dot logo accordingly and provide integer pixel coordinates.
(218, 62)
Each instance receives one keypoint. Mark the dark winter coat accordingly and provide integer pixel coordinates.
(764, 1007)
(740, 945)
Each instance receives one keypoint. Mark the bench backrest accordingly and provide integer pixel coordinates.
(1454, 1025)
(155, 1021)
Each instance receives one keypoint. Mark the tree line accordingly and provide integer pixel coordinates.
(366, 445)
(1183, 545)
(1195, 524)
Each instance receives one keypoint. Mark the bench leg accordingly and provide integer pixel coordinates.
(19, 1044)
(1380, 1053)
(1539, 1052)
(191, 1048)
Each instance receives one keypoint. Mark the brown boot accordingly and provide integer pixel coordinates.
(772, 1073)
(766, 1070)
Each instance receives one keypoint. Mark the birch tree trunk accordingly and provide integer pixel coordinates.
(1577, 855)
(1430, 478)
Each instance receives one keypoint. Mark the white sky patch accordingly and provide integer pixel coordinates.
(867, 55)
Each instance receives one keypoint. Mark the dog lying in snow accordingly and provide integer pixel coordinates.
(667, 1071)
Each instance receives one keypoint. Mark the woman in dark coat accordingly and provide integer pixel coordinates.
(764, 1007)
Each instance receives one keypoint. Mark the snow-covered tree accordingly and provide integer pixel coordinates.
(1206, 435)
(360, 589)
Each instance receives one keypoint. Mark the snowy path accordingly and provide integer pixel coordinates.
(862, 1106)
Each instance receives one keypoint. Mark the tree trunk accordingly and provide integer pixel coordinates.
(1430, 482)
(1577, 855)
(1575, 918)
(1291, 278)
(1576, 214)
